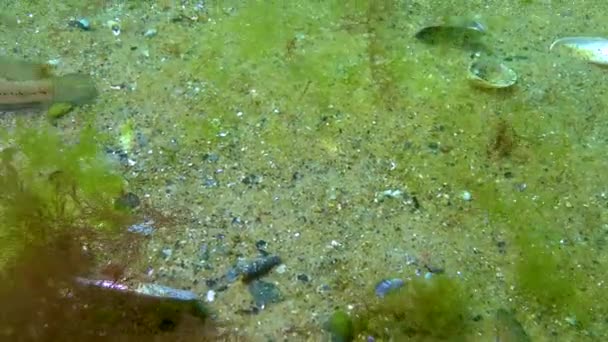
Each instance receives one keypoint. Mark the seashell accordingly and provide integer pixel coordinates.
(490, 73)
(592, 49)
(453, 30)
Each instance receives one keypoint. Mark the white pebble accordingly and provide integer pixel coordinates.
(281, 268)
(210, 296)
(466, 196)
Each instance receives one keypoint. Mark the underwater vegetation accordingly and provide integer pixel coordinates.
(434, 309)
(56, 199)
(431, 309)
(343, 81)
(41, 302)
(51, 188)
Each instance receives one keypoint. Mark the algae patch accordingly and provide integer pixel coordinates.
(50, 188)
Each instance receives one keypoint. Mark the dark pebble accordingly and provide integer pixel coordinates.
(211, 157)
(434, 269)
(264, 293)
(232, 275)
(127, 201)
(211, 282)
(433, 146)
(297, 176)
(121, 156)
(252, 179)
(81, 23)
(261, 244)
(210, 182)
(502, 247)
(303, 278)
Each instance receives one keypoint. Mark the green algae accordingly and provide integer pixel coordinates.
(60, 210)
(340, 325)
(50, 188)
(425, 309)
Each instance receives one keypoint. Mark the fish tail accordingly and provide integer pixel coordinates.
(76, 89)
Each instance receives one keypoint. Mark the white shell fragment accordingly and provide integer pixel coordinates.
(490, 73)
(591, 49)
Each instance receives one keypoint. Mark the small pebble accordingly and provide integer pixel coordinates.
(82, 23)
(151, 32)
(210, 182)
(144, 228)
(167, 253)
(466, 196)
(281, 269)
(232, 275)
(114, 26)
(210, 296)
(127, 201)
(264, 293)
(252, 179)
(303, 278)
(261, 245)
(297, 176)
(385, 286)
(211, 157)
(389, 194)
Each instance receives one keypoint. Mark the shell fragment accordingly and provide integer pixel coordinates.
(591, 49)
(490, 73)
(462, 32)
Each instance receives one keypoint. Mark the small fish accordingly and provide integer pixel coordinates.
(25, 84)
(73, 88)
(146, 289)
(592, 49)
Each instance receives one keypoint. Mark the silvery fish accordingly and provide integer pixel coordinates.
(592, 49)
